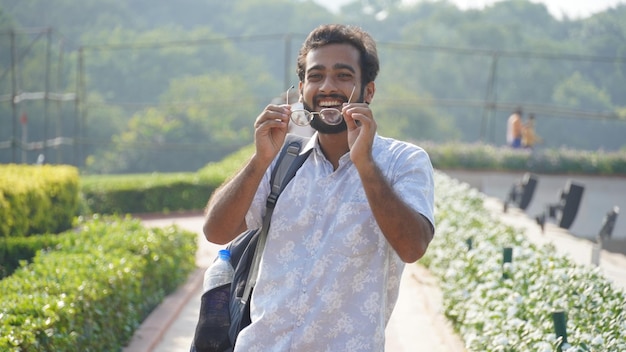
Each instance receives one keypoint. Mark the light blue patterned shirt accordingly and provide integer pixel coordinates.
(329, 279)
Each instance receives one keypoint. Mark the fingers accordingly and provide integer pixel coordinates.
(274, 116)
(270, 129)
(361, 132)
(357, 115)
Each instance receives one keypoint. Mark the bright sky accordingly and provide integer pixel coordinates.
(572, 8)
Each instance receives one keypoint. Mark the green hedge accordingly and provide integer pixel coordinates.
(37, 199)
(13, 250)
(149, 193)
(93, 290)
(480, 156)
(159, 193)
(190, 191)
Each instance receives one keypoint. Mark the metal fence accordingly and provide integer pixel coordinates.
(62, 103)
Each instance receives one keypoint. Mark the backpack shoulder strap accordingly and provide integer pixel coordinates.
(289, 161)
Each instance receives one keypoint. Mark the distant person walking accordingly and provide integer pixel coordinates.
(529, 137)
(514, 129)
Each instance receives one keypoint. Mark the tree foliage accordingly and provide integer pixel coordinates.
(169, 86)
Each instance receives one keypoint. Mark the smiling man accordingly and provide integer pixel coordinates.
(359, 208)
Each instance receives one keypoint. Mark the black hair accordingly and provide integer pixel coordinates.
(342, 34)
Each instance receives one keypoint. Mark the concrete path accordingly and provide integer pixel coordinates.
(612, 265)
(600, 195)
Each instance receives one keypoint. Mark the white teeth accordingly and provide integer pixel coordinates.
(330, 103)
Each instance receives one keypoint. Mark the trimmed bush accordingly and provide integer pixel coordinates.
(478, 156)
(14, 250)
(165, 193)
(93, 290)
(159, 193)
(37, 199)
(149, 193)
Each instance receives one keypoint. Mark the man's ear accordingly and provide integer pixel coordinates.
(368, 94)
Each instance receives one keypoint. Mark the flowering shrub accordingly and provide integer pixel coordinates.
(498, 306)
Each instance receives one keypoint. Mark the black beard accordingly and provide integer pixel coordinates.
(322, 127)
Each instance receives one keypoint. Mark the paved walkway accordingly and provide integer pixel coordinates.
(612, 265)
(600, 195)
(417, 323)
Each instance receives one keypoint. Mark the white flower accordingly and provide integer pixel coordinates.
(598, 340)
(501, 340)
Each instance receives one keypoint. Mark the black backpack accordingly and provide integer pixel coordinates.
(225, 310)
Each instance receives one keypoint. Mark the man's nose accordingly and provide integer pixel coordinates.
(328, 86)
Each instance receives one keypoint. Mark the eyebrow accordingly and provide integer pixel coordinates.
(338, 66)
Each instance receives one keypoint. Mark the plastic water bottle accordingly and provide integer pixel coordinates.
(220, 273)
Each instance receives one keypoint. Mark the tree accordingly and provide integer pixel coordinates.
(200, 119)
(579, 92)
(405, 114)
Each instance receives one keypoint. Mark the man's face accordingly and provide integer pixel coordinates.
(332, 72)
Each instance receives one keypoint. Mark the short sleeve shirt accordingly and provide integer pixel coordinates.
(328, 279)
